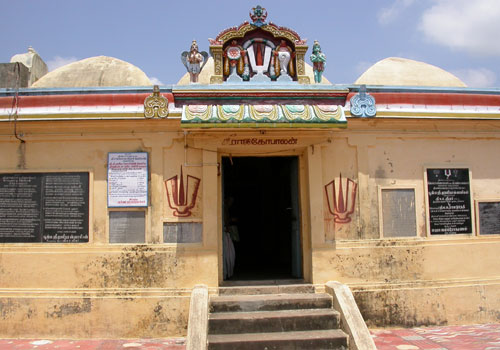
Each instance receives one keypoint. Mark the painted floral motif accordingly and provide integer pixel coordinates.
(261, 112)
(227, 112)
(202, 112)
(293, 112)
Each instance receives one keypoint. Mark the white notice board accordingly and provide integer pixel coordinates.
(127, 179)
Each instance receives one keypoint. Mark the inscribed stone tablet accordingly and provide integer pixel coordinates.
(182, 232)
(127, 226)
(489, 218)
(398, 212)
(449, 201)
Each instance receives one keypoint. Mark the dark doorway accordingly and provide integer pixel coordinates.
(261, 199)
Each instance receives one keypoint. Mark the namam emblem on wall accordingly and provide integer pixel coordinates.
(341, 205)
(182, 199)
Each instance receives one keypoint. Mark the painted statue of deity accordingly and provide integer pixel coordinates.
(318, 59)
(284, 61)
(194, 61)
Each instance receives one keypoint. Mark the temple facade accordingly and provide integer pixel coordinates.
(117, 197)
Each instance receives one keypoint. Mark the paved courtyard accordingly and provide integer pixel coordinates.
(477, 337)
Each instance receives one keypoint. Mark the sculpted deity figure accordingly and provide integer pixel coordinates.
(194, 61)
(318, 59)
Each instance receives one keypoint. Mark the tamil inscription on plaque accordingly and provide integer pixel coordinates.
(449, 201)
(127, 179)
(489, 218)
(127, 226)
(44, 207)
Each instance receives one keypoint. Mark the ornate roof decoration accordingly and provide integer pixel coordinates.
(271, 116)
(245, 27)
(363, 104)
(267, 52)
(155, 105)
(258, 16)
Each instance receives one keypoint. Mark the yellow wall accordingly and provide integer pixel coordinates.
(98, 289)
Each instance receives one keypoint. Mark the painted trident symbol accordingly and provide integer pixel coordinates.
(182, 199)
(342, 207)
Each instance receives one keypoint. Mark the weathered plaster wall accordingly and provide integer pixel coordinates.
(415, 280)
(98, 289)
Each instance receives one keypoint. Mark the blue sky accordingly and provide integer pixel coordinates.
(460, 36)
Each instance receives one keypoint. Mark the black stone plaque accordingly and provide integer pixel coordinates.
(44, 207)
(449, 201)
(489, 218)
(20, 207)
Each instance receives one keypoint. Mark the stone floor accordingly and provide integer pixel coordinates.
(122, 344)
(477, 337)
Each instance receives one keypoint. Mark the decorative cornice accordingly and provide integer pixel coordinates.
(267, 116)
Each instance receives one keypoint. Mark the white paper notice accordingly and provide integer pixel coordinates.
(128, 179)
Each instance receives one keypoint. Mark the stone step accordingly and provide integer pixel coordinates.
(323, 339)
(272, 321)
(265, 302)
(267, 289)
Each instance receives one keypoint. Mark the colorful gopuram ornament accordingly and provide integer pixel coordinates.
(194, 61)
(182, 199)
(343, 205)
(284, 64)
(258, 16)
(363, 104)
(234, 62)
(155, 105)
(318, 60)
(258, 52)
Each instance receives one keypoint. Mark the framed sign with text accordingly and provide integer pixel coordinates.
(127, 180)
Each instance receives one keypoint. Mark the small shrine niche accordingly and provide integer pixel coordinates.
(258, 52)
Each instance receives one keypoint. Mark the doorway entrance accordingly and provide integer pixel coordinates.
(261, 199)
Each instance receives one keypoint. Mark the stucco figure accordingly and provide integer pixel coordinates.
(258, 16)
(318, 59)
(284, 61)
(234, 64)
(194, 61)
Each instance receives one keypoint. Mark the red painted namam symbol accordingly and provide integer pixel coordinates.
(343, 207)
(182, 199)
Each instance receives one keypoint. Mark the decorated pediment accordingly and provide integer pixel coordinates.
(258, 52)
(268, 116)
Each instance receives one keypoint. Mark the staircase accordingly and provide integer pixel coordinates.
(288, 317)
